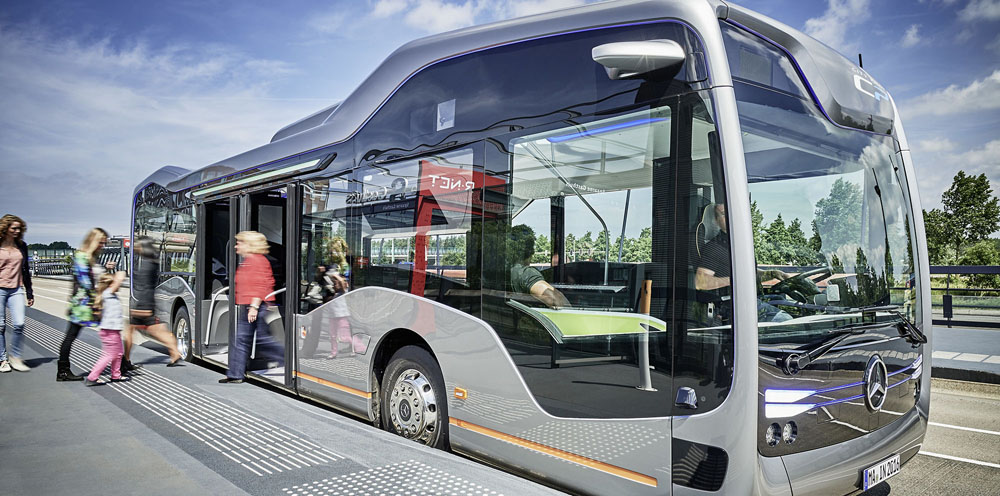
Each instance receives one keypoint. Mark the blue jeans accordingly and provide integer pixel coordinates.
(14, 300)
(239, 350)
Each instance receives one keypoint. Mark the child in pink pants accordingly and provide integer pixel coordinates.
(111, 329)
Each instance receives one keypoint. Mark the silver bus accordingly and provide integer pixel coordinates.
(637, 247)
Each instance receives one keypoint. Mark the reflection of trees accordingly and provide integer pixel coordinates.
(634, 250)
(838, 216)
(871, 285)
(780, 244)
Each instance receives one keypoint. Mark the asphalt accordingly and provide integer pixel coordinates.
(177, 431)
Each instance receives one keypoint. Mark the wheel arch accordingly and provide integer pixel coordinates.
(392, 342)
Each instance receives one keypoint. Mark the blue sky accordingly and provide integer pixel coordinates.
(98, 94)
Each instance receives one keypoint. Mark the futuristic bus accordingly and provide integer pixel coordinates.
(638, 247)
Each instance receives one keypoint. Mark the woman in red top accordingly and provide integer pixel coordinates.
(254, 284)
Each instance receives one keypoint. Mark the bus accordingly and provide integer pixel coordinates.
(638, 247)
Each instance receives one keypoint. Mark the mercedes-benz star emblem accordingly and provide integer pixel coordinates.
(876, 383)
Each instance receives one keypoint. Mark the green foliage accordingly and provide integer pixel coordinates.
(982, 253)
(969, 214)
(838, 216)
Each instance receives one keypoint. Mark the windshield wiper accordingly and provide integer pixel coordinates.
(908, 330)
(797, 361)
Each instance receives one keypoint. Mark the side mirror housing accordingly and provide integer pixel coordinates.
(628, 59)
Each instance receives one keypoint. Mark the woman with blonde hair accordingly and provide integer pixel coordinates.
(254, 285)
(81, 299)
(15, 290)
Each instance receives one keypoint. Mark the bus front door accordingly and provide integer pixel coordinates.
(216, 263)
(266, 213)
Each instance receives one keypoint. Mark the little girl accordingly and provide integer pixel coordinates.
(111, 327)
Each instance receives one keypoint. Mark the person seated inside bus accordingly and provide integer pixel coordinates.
(523, 277)
(714, 267)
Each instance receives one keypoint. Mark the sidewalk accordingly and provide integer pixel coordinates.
(966, 354)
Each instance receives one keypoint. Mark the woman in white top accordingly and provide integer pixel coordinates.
(111, 329)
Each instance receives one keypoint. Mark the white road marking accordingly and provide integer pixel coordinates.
(959, 459)
(970, 429)
(971, 357)
(947, 355)
(992, 359)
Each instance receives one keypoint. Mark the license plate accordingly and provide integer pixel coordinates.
(881, 471)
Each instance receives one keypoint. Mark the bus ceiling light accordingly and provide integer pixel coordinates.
(628, 59)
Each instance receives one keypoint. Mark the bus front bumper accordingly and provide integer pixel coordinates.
(838, 469)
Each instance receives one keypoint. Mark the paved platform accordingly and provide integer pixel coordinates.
(177, 431)
(966, 354)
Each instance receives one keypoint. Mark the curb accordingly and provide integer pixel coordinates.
(965, 375)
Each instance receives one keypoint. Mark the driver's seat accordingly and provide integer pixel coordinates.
(707, 228)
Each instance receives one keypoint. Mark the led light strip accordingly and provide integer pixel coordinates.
(258, 177)
(340, 387)
(780, 403)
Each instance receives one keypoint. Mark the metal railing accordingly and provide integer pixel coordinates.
(965, 307)
(115, 251)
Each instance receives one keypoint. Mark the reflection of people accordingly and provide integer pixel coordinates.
(15, 290)
(142, 314)
(254, 284)
(523, 277)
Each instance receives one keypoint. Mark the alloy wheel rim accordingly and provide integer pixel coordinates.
(413, 407)
(182, 337)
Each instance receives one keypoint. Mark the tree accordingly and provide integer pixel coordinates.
(838, 216)
(937, 237)
(982, 253)
(971, 212)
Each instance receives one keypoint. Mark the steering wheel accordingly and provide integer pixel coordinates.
(800, 287)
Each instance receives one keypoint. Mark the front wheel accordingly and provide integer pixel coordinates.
(414, 404)
(182, 332)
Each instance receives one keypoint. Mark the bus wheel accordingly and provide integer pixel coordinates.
(182, 331)
(413, 401)
(375, 402)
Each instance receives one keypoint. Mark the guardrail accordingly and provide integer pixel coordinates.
(966, 307)
(116, 253)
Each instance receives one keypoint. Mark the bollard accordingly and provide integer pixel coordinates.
(946, 302)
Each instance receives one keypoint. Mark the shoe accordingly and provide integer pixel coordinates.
(176, 363)
(123, 378)
(128, 366)
(90, 383)
(230, 380)
(64, 376)
(5, 366)
(18, 365)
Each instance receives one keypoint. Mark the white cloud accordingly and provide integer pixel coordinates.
(980, 10)
(982, 94)
(386, 8)
(85, 121)
(529, 7)
(934, 145)
(937, 168)
(831, 28)
(436, 16)
(911, 37)
(330, 22)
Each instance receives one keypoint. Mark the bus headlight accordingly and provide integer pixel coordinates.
(772, 435)
(789, 432)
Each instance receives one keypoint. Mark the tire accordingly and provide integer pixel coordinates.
(182, 332)
(414, 404)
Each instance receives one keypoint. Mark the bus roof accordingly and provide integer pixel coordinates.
(832, 77)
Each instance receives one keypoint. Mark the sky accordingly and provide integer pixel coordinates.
(96, 95)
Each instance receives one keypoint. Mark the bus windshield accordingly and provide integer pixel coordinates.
(831, 217)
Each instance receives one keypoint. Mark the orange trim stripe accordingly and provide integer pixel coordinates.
(558, 453)
(341, 387)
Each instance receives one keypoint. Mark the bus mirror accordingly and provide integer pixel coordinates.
(832, 293)
(627, 59)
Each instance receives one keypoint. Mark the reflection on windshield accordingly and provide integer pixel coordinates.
(830, 212)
